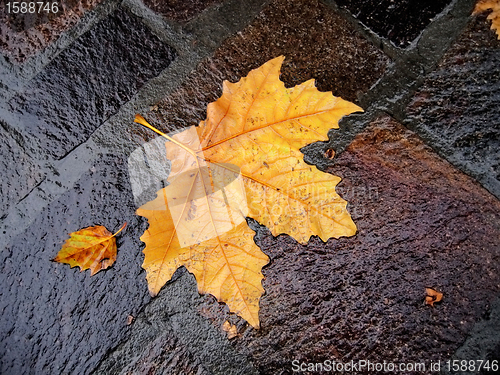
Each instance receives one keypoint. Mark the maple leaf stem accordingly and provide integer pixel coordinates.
(119, 230)
(141, 120)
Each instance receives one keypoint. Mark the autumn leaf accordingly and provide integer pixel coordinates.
(494, 16)
(243, 161)
(432, 296)
(227, 266)
(92, 247)
(230, 329)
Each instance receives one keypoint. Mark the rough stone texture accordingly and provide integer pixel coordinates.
(345, 64)
(420, 224)
(173, 336)
(20, 173)
(482, 343)
(179, 10)
(457, 109)
(89, 82)
(23, 35)
(56, 320)
(399, 21)
(156, 350)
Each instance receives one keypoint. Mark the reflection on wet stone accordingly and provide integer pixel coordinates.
(89, 82)
(399, 21)
(421, 223)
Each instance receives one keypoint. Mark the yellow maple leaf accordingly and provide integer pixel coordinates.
(91, 247)
(494, 16)
(244, 160)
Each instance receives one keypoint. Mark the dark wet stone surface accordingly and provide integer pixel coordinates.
(172, 335)
(179, 10)
(483, 341)
(156, 350)
(89, 81)
(347, 64)
(20, 173)
(420, 224)
(399, 21)
(457, 107)
(23, 35)
(58, 320)
(32, 15)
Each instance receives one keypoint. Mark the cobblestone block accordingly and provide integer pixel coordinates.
(89, 82)
(399, 21)
(457, 107)
(170, 337)
(23, 35)
(179, 10)
(20, 173)
(57, 320)
(421, 223)
(160, 352)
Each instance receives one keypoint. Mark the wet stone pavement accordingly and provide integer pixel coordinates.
(420, 170)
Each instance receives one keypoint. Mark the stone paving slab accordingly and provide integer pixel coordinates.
(420, 224)
(347, 65)
(88, 82)
(457, 106)
(22, 36)
(57, 319)
(482, 341)
(399, 21)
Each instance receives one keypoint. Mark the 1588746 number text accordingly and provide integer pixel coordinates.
(23, 7)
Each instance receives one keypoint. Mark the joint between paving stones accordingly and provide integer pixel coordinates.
(20, 75)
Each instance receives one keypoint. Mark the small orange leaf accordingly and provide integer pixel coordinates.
(231, 330)
(494, 16)
(432, 296)
(92, 247)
